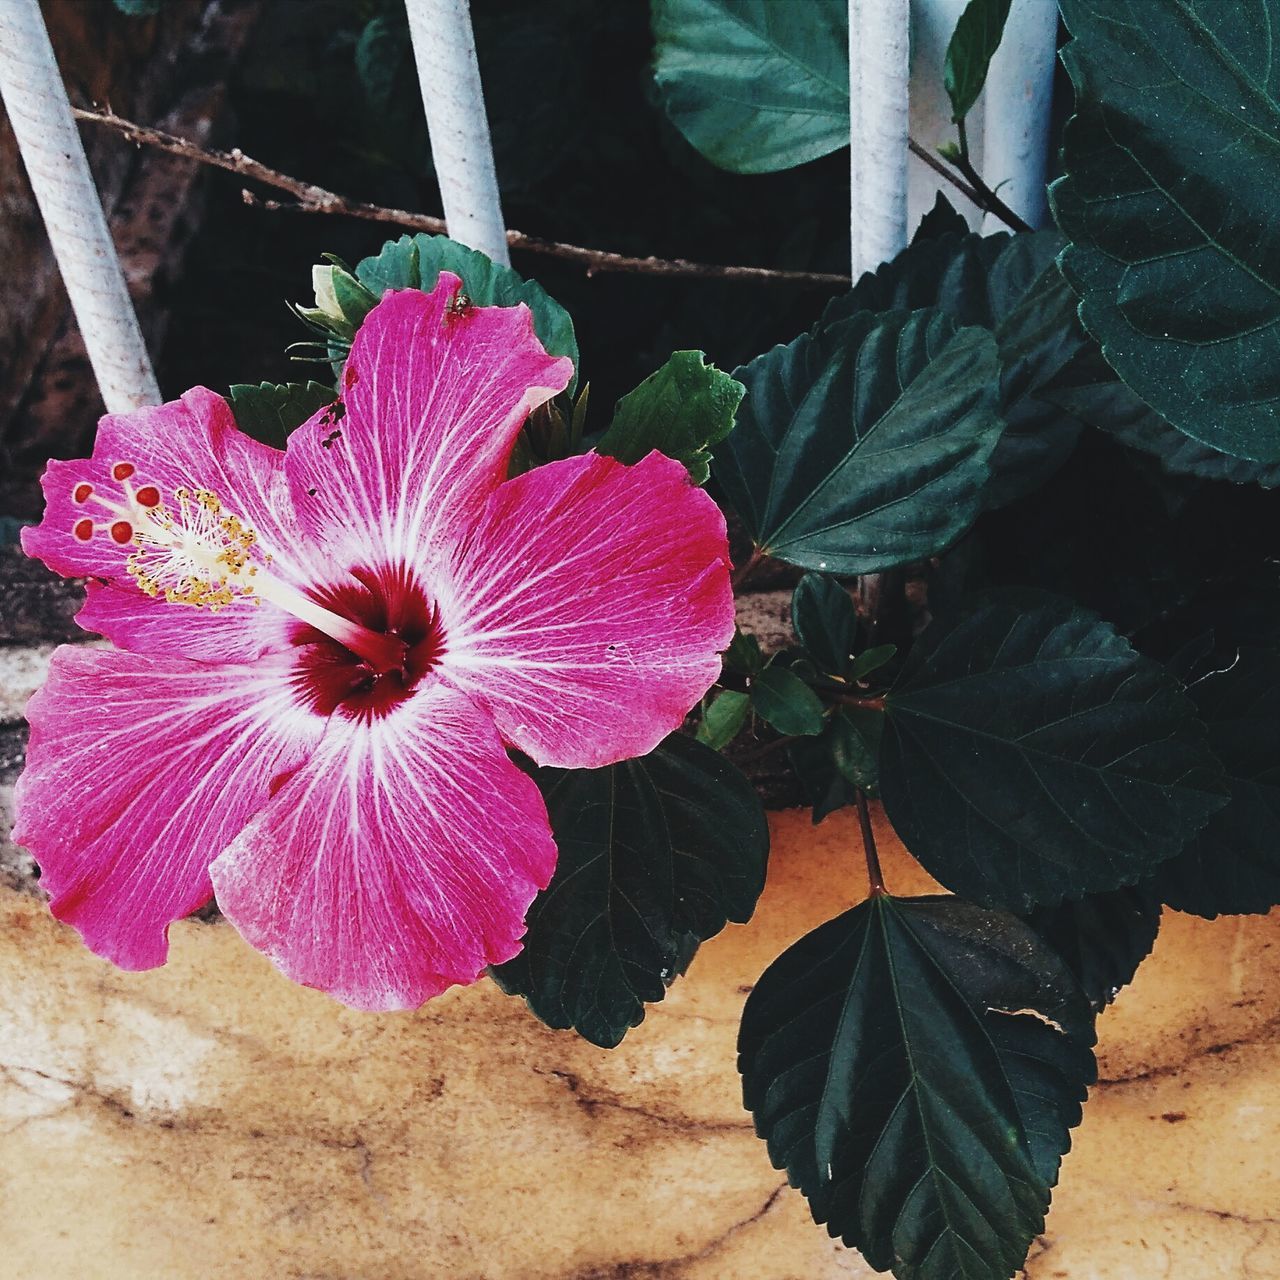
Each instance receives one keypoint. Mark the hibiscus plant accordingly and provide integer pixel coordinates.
(428, 667)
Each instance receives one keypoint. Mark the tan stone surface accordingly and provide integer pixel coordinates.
(210, 1120)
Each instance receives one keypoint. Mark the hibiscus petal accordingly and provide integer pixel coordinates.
(401, 859)
(192, 443)
(138, 771)
(434, 396)
(589, 606)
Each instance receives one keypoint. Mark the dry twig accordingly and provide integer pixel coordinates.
(309, 198)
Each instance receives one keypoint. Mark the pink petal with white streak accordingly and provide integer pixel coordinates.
(191, 443)
(401, 859)
(139, 770)
(589, 606)
(434, 397)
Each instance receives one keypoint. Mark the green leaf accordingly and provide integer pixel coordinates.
(723, 719)
(1102, 937)
(754, 85)
(138, 8)
(415, 262)
(744, 655)
(872, 660)
(1032, 754)
(381, 57)
(656, 854)
(973, 44)
(841, 761)
(941, 220)
(1233, 865)
(1089, 390)
(1171, 163)
(779, 696)
(682, 410)
(916, 1065)
(1011, 285)
(865, 445)
(825, 622)
(269, 411)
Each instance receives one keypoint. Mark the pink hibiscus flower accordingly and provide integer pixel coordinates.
(324, 652)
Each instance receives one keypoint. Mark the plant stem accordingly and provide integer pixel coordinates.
(987, 199)
(853, 700)
(875, 877)
(745, 570)
(922, 153)
(309, 198)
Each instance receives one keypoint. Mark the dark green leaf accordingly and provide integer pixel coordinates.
(1012, 286)
(840, 761)
(723, 719)
(825, 622)
(744, 654)
(1103, 937)
(415, 262)
(656, 854)
(269, 411)
(1233, 865)
(756, 86)
(1171, 166)
(973, 44)
(1032, 754)
(1088, 389)
(941, 220)
(864, 446)
(872, 660)
(138, 8)
(916, 1065)
(381, 58)
(682, 410)
(779, 696)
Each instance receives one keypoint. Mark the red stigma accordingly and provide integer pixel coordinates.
(148, 496)
(122, 470)
(82, 493)
(121, 531)
(83, 529)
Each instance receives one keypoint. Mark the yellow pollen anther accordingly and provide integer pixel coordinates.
(193, 554)
(198, 554)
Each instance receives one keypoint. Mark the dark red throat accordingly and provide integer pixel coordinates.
(389, 602)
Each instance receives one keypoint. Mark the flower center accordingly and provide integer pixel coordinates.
(191, 551)
(387, 601)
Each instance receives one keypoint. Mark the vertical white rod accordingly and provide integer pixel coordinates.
(932, 23)
(444, 49)
(879, 51)
(1019, 96)
(53, 154)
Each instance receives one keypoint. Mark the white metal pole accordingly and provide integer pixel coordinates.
(879, 49)
(40, 114)
(444, 49)
(1019, 95)
(932, 23)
